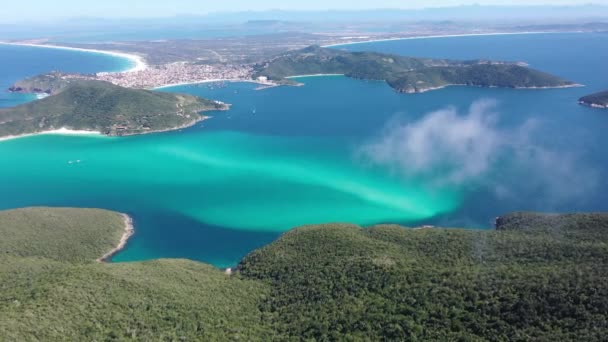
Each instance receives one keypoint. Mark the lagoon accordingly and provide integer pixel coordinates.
(336, 149)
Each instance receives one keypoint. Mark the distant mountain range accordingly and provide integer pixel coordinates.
(240, 23)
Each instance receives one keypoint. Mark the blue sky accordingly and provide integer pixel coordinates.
(56, 9)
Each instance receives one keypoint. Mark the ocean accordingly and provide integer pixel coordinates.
(19, 62)
(335, 150)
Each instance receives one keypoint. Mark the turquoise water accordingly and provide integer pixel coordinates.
(338, 149)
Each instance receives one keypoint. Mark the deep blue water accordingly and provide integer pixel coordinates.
(18, 62)
(570, 162)
(554, 159)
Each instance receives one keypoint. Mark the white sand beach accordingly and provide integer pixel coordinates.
(61, 131)
(139, 62)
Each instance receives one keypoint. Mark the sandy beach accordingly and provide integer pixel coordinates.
(129, 231)
(61, 131)
(139, 63)
(443, 36)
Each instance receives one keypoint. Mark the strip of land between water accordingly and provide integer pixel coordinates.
(129, 231)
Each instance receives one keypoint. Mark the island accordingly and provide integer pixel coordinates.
(98, 106)
(404, 74)
(597, 100)
(534, 277)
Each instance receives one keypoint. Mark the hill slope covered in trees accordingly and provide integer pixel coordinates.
(405, 74)
(106, 108)
(537, 277)
(598, 100)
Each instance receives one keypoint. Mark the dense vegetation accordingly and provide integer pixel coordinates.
(537, 277)
(405, 74)
(107, 108)
(49, 84)
(74, 235)
(51, 288)
(599, 100)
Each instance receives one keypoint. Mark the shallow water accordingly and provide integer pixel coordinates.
(338, 149)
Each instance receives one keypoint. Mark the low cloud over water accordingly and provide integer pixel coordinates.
(471, 149)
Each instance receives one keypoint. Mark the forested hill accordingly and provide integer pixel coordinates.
(535, 278)
(597, 100)
(405, 74)
(106, 108)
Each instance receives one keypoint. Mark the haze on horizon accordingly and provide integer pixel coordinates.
(45, 11)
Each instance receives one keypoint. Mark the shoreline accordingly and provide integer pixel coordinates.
(315, 75)
(445, 36)
(69, 132)
(128, 232)
(61, 131)
(192, 83)
(214, 81)
(421, 91)
(186, 125)
(139, 63)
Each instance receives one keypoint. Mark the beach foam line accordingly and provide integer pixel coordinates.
(61, 131)
(138, 61)
(447, 36)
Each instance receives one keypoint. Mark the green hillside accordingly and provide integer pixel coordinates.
(598, 100)
(52, 289)
(51, 83)
(537, 277)
(73, 235)
(405, 74)
(107, 108)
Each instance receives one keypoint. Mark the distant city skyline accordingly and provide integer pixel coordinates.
(38, 10)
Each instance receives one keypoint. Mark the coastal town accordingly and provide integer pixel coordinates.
(174, 74)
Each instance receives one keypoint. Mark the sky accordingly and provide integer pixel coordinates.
(13, 11)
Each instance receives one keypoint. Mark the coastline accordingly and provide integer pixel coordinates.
(424, 90)
(445, 36)
(129, 231)
(592, 105)
(314, 75)
(61, 131)
(177, 128)
(66, 132)
(269, 84)
(192, 83)
(138, 61)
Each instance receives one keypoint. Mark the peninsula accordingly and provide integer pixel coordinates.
(540, 277)
(404, 74)
(98, 106)
(597, 100)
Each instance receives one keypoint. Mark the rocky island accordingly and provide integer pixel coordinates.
(405, 74)
(48, 84)
(101, 107)
(597, 100)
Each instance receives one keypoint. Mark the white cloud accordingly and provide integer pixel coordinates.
(461, 146)
(451, 149)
